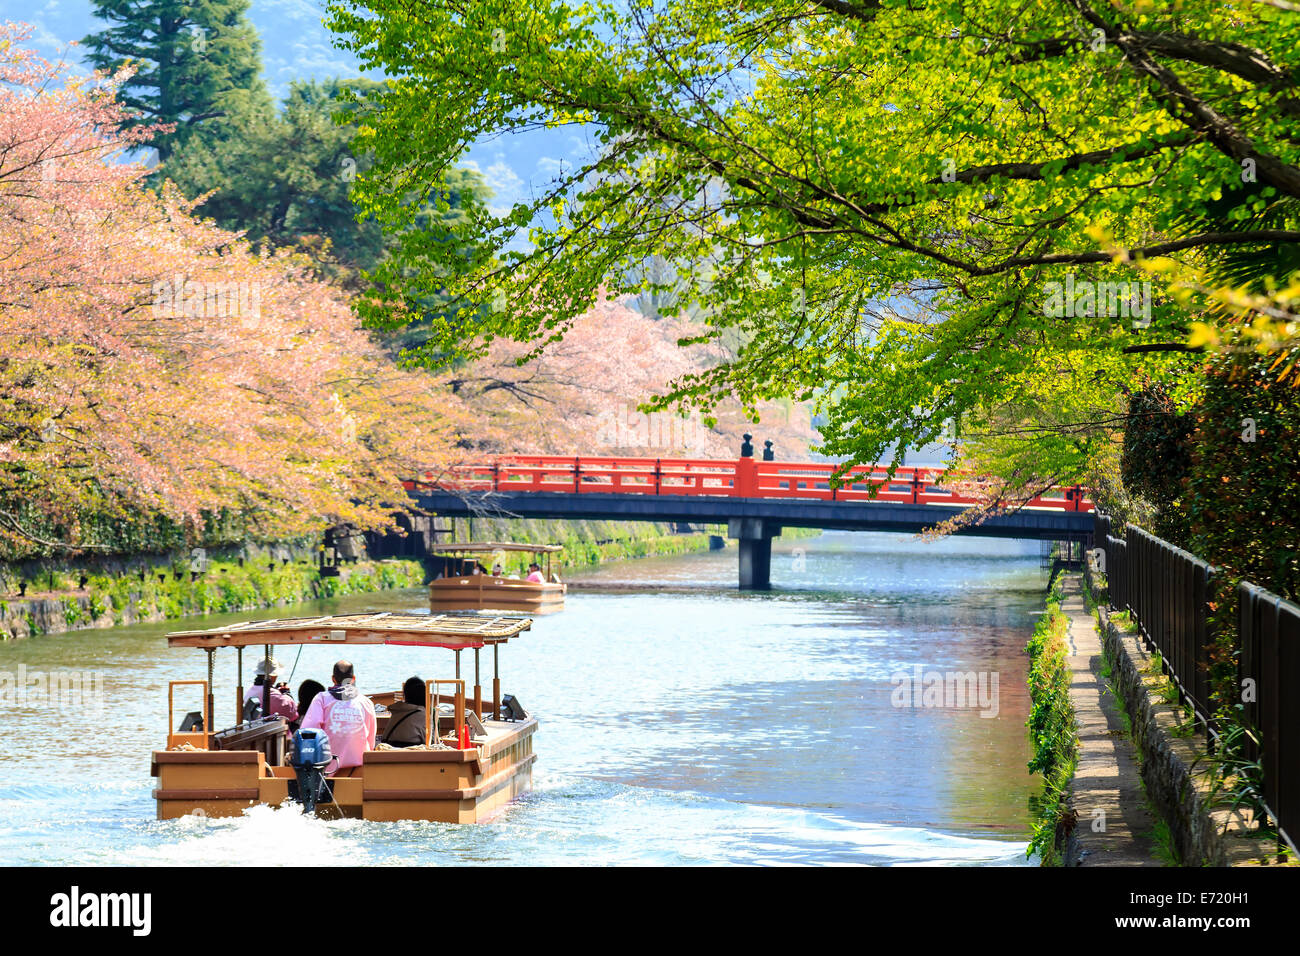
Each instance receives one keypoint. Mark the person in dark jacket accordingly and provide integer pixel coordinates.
(406, 717)
(307, 691)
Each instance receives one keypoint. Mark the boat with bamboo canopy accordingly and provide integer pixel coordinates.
(469, 585)
(479, 755)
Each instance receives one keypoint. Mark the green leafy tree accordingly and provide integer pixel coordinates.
(414, 333)
(895, 203)
(285, 179)
(198, 65)
(1157, 459)
(1243, 497)
(1244, 485)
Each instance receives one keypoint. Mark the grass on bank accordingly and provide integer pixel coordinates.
(1052, 730)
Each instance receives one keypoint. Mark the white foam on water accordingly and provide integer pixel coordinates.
(566, 820)
(263, 835)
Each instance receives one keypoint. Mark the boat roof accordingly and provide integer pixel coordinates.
(475, 547)
(421, 630)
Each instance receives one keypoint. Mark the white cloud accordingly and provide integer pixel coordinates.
(506, 185)
(551, 168)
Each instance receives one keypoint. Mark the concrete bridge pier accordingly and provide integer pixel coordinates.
(755, 537)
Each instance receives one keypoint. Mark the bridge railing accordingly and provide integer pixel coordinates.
(738, 478)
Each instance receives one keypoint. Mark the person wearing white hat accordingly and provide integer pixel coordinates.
(281, 704)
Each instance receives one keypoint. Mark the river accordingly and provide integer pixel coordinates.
(681, 722)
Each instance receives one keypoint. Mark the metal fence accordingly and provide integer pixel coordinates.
(1167, 590)
(1269, 629)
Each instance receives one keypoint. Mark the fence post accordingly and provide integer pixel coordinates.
(1248, 662)
(1287, 742)
(1270, 687)
(1201, 646)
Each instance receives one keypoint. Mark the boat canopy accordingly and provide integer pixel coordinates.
(480, 547)
(455, 631)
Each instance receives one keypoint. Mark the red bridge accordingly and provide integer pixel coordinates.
(742, 478)
(754, 498)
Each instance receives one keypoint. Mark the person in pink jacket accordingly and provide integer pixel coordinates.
(346, 716)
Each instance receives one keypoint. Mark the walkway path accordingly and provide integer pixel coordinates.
(1114, 824)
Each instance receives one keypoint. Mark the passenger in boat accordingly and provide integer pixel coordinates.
(346, 715)
(281, 704)
(497, 570)
(307, 692)
(535, 573)
(406, 717)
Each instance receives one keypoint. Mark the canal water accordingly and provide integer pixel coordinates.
(681, 722)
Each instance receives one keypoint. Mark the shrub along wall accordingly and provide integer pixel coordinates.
(1052, 730)
(128, 598)
(125, 589)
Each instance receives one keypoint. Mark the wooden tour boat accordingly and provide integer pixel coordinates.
(473, 587)
(220, 774)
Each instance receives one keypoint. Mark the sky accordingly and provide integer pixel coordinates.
(295, 45)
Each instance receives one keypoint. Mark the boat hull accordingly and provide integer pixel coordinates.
(448, 786)
(484, 592)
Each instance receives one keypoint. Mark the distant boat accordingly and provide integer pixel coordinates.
(475, 588)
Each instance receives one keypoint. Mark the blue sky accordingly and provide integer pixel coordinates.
(295, 45)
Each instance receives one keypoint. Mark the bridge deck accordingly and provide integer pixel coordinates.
(755, 499)
(1049, 524)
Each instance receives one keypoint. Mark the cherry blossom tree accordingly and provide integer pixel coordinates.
(581, 394)
(151, 362)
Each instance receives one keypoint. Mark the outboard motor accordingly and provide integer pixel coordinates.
(311, 755)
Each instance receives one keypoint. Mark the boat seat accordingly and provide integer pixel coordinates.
(266, 735)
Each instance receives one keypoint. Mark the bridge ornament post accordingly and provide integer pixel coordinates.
(745, 484)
